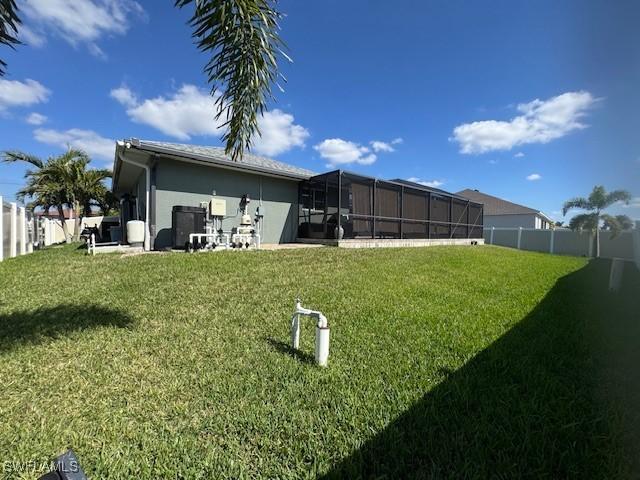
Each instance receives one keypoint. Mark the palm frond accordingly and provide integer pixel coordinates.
(597, 197)
(611, 223)
(617, 196)
(242, 38)
(617, 223)
(9, 22)
(17, 156)
(578, 202)
(584, 221)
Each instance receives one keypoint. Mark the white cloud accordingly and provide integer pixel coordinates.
(83, 21)
(342, 152)
(519, 155)
(278, 134)
(87, 140)
(426, 183)
(124, 96)
(540, 122)
(14, 93)
(191, 111)
(379, 146)
(36, 119)
(31, 37)
(493, 162)
(533, 177)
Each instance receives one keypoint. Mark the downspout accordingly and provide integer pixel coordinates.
(147, 169)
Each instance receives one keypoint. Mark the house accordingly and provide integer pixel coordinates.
(151, 178)
(53, 213)
(501, 213)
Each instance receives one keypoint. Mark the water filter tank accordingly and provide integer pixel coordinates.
(135, 232)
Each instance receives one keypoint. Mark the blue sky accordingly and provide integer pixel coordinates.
(534, 102)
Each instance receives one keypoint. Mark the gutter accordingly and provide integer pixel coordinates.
(147, 169)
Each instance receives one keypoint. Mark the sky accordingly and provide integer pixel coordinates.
(534, 102)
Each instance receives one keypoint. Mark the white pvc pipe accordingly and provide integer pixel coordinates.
(322, 346)
(322, 332)
(200, 236)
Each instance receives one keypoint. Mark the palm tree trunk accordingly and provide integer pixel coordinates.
(65, 228)
(78, 214)
(598, 235)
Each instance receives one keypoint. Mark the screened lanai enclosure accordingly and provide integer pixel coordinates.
(342, 204)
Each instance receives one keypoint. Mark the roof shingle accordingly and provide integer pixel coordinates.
(217, 155)
(497, 206)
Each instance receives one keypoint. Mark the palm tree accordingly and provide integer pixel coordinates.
(241, 38)
(623, 223)
(62, 181)
(597, 201)
(9, 22)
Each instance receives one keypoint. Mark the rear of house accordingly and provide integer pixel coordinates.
(154, 179)
(188, 175)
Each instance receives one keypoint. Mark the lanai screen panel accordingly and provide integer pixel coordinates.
(459, 216)
(415, 214)
(387, 211)
(368, 208)
(357, 202)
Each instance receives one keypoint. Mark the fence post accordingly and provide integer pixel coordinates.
(13, 230)
(22, 219)
(636, 244)
(493, 229)
(519, 237)
(31, 232)
(551, 242)
(1, 229)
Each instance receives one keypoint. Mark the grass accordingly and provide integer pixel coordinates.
(445, 362)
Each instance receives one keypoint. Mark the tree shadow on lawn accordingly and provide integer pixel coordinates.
(527, 406)
(38, 326)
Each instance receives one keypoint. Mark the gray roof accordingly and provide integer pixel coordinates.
(216, 155)
(497, 206)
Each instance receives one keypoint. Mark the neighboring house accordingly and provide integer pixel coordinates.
(53, 213)
(151, 178)
(501, 213)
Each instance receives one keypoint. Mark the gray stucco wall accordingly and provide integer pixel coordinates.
(513, 221)
(180, 183)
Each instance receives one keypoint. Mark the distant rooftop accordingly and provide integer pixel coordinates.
(498, 206)
(217, 156)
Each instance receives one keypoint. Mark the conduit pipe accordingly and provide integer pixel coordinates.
(322, 332)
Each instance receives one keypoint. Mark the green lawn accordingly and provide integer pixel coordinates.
(445, 362)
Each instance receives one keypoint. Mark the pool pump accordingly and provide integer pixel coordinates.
(322, 332)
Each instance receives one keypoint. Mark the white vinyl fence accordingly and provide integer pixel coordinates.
(18, 231)
(636, 244)
(567, 242)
